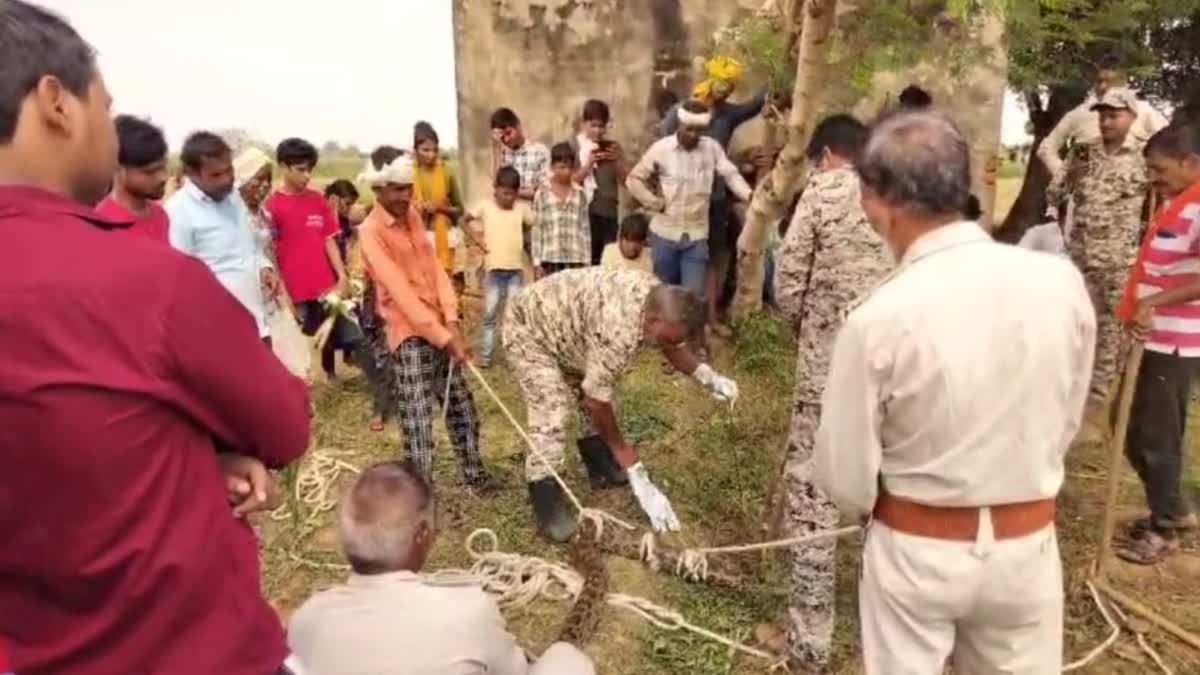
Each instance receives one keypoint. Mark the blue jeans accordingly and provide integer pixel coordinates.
(498, 285)
(680, 264)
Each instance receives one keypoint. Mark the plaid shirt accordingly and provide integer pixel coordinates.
(561, 231)
(686, 178)
(531, 160)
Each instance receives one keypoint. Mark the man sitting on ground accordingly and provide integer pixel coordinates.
(386, 619)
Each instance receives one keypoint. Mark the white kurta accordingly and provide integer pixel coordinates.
(959, 382)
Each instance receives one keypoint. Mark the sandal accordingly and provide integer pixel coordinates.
(1149, 549)
(1183, 523)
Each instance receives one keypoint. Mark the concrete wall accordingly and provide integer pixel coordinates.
(544, 58)
(974, 99)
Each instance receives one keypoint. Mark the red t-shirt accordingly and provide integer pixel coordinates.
(302, 224)
(154, 225)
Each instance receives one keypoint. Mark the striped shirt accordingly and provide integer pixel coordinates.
(1173, 260)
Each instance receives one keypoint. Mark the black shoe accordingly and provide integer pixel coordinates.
(602, 468)
(555, 517)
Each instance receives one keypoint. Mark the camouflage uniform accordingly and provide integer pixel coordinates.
(830, 257)
(569, 336)
(1103, 240)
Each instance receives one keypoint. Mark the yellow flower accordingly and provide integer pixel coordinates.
(723, 74)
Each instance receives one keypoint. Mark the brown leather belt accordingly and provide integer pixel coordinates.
(953, 523)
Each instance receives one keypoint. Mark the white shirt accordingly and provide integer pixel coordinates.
(1083, 125)
(395, 624)
(221, 236)
(960, 381)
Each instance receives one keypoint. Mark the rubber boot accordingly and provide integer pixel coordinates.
(555, 517)
(602, 468)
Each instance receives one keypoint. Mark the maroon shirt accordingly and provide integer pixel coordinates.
(120, 360)
(155, 225)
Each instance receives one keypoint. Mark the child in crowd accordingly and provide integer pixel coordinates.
(531, 160)
(561, 236)
(310, 263)
(504, 221)
(630, 251)
(601, 172)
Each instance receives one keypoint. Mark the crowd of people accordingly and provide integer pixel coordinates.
(940, 378)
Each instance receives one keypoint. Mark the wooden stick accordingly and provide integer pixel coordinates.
(1116, 455)
(1131, 605)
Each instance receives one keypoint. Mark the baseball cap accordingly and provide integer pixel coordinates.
(1118, 98)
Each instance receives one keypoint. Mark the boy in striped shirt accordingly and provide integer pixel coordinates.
(1162, 310)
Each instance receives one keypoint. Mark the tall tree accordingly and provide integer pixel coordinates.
(871, 36)
(775, 192)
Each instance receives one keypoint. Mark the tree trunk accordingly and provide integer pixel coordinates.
(772, 197)
(1030, 205)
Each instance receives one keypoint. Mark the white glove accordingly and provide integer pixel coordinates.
(652, 500)
(722, 388)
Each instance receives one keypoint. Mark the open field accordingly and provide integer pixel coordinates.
(715, 469)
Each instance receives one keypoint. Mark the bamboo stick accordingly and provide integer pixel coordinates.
(1116, 456)
(1131, 605)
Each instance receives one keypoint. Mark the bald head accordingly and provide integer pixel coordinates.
(673, 315)
(385, 519)
(918, 161)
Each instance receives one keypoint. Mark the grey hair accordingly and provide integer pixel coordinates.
(918, 160)
(675, 304)
(381, 513)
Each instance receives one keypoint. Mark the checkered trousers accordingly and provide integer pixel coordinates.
(421, 371)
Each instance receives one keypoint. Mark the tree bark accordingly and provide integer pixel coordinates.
(1030, 205)
(772, 197)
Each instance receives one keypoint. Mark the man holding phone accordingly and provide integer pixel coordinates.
(601, 172)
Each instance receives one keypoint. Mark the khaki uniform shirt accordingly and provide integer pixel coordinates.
(1083, 126)
(396, 624)
(961, 380)
(1108, 197)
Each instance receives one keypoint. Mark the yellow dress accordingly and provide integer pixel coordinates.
(436, 185)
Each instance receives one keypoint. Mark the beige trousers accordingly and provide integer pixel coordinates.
(563, 659)
(987, 607)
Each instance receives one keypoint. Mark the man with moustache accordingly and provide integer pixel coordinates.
(141, 179)
(210, 221)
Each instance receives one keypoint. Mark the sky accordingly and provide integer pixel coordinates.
(351, 71)
(354, 71)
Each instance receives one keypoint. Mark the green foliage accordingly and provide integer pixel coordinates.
(1051, 43)
(761, 46)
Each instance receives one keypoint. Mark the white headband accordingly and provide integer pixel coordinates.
(399, 172)
(691, 119)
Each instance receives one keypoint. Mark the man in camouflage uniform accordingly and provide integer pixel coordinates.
(568, 338)
(830, 257)
(1108, 182)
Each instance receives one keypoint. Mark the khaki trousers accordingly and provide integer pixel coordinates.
(987, 607)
